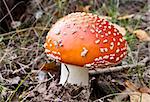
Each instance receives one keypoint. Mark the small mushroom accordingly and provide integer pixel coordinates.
(101, 44)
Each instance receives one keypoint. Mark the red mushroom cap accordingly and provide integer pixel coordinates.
(85, 39)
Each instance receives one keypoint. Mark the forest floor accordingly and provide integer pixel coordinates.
(27, 75)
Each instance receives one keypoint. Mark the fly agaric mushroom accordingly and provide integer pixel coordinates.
(82, 40)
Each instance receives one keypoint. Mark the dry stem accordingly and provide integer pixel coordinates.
(118, 68)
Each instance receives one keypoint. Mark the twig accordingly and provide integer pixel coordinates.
(118, 68)
(5, 54)
(124, 93)
(23, 66)
(149, 48)
(12, 32)
(114, 69)
(8, 10)
(38, 84)
(25, 29)
(9, 99)
(11, 10)
(47, 25)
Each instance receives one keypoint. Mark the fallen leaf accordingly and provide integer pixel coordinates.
(142, 35)
(49, 67)
(122, 30)
(125, 17)
(144, 90)
(139, 97)
(130, 85)
(135, 93)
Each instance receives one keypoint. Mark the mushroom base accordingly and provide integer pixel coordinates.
(74, 75)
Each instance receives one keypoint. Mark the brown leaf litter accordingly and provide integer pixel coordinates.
(56, 92)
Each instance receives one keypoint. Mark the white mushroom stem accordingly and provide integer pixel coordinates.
(74, 75)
